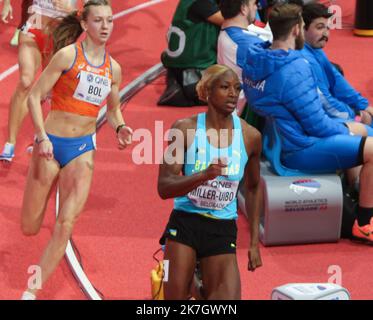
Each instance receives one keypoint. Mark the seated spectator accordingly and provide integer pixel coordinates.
(279, 83)
(235, 39)
(192, 41)
(265, 6)
(339, 98)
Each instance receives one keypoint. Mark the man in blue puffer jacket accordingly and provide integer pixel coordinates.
(339, 98)
(279, 83)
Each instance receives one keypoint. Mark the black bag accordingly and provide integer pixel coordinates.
(181, 88)
(350, 207)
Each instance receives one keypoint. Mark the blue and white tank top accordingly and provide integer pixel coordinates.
(215, 198)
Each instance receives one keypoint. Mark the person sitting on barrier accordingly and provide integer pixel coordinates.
(340, 99)
(81, 76)
(192, 45)
(279, 83)
(234, 38)
(208, 156)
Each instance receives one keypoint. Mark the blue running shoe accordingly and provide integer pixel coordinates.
(8, 152)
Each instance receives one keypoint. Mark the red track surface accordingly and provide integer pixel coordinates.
(124, 217)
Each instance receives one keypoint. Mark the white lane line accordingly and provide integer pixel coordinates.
(136, 8)
(8, 72)
(118, 15)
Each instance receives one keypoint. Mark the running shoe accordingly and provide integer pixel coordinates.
(8, 152)
(28, 296)
(364, 233)
(14, 41)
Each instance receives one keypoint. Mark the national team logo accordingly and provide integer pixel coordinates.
(90, 78)
(309, 185)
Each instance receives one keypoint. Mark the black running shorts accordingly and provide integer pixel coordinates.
(207, 236)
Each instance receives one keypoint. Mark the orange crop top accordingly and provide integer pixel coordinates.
(83, 88)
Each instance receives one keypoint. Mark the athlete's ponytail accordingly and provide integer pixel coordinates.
(69, 29)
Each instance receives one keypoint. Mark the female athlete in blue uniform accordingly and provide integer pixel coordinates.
(202, 172)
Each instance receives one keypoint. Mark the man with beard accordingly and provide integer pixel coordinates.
(235, 38)
(280, 85)
(340, 99)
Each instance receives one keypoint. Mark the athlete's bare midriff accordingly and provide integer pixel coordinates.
(66, 124)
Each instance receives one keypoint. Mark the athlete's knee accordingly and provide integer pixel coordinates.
(26, 81)
(65, 226)
(29, 230)
(176, 290)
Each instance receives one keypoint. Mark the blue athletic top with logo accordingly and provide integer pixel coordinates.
(216, 198)
(280, 84)
(339, 96)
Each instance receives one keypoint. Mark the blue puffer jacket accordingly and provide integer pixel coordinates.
(281, 85)
(340, 97)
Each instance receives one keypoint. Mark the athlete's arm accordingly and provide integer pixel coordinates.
(171, 183)
(114, 114)
(254, 194)
(61, 61)
(7, 11)
(64, 6)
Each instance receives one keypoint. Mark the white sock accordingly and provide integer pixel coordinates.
(28, 296)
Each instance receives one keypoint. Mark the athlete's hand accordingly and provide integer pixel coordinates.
(218, 167)
(62, 5)
(124, 137)
(7, 12)
(366, 117)
(369, 110)
(46, 149)
(255, 261)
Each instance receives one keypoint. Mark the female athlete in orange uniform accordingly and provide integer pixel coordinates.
(81, 76)
(35, 49)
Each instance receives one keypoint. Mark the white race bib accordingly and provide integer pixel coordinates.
(214, 194)
(92, 88)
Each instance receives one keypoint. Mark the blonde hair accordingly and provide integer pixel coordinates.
(209, 77)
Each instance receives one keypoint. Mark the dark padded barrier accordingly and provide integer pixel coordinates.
(364, 18)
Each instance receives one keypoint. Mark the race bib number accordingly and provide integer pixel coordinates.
(92, 88)
(214, 194)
